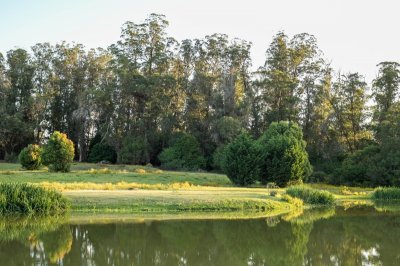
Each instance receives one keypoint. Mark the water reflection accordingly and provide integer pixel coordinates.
(356, 236)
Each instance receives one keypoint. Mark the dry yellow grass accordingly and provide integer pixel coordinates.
(115, 186)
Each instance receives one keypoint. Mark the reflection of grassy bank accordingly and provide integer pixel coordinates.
(43, 235)
(27, 228)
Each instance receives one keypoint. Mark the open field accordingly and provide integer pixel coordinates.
(94, 188)
(229, 199)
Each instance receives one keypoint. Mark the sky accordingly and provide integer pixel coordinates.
(355, 35)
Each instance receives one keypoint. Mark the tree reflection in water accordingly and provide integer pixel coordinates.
(320, 237)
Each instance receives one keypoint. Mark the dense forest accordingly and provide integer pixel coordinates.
(149, 93)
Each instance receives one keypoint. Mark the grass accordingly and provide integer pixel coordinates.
(311, 196)
(20, 198)
(117, 186)
(94, 173)
(387, 193)
(215, 199)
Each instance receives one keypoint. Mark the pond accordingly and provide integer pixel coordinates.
(356, 236)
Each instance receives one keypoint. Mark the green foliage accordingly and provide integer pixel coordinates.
(362, 168)
(311, 196)
(386, 193)
(183, 154)
(30, 157)
(135, 150)
(58, 154)
(218, 158)
(377, 164)
(227, 129)
(318, 177)
(284, 158)
(21, 198)
(102, 152)
(241, 161)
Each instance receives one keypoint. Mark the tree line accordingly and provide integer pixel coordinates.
(143, 98)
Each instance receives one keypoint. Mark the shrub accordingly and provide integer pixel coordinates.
(30, 157)
(102, 152)
(241, 161)
(183, 154)
(388, 193)
(135, 150)
(58, 154)
(20, 198)
(283, 154)
(311, 196)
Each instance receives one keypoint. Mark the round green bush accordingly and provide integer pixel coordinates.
(284, 158)
(30, 157)
(184, 153)
(240, 161)
(59, 153)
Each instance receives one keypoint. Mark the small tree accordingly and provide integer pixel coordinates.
(30, 157)
(284, 157)
(240, 161)
(102, 152)
(59, 152)
(183, 154)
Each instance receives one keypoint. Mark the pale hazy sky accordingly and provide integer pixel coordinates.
(354, 34)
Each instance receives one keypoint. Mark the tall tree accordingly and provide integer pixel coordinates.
(349, 103)
(289, 77)
(386, 88)
(16, 125)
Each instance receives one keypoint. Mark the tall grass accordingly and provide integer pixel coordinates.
(21, 198)
(311, 196)
(386, 193)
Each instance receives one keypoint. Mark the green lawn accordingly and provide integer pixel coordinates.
(94, 173)
(213, 199)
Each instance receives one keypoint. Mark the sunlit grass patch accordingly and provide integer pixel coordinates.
(311, 196)
(115, 186)
(297, 202)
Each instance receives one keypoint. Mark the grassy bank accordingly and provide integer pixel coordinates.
(93, 188)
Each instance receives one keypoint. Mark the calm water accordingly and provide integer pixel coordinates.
(358, 236)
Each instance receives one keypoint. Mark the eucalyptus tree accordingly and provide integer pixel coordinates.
(69, 66)
(145, 82)
(349, 100)
(290, 77)
(386, 88)
(42, 56)
(16, 124)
